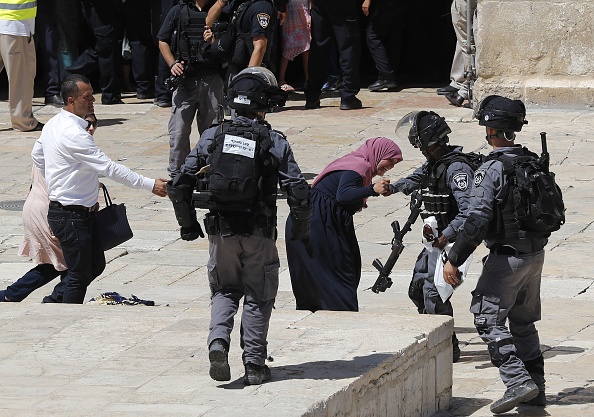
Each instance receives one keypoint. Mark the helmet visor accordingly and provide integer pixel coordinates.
(403, 128)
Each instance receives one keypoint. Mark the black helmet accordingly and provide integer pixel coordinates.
(255, 88)
(501, 113)
(423, 129)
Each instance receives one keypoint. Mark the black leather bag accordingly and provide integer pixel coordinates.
(112, 223)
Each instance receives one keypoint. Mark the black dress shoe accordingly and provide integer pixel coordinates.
(312, 104)
(455, 98)
(54, 100)
(380, 85)
(116, 100)
(350, 103)
(145, 96)
(447, 90)
(37, 128)
(162, 103)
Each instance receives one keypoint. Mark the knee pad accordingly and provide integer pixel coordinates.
(497, 358)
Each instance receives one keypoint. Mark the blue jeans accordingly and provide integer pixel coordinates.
(35, 278)
(79, 238)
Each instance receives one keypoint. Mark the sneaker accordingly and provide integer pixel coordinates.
(514, 396)
(256, 374)
(331, 84)
(350, 103)
(219, 364)
(539, 401)
(448, 89)
(380, 85)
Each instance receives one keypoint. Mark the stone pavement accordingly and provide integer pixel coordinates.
(110, 360)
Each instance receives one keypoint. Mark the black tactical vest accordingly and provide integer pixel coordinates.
(242, 176)
(437, 196)
(191, 45)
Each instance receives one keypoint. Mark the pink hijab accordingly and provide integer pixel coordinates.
(364, 160)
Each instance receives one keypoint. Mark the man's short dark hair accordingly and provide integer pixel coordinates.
(69, 87)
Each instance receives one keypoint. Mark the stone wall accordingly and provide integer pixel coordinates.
(415, 382)
(539, 50)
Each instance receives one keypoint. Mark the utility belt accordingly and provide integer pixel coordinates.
(507, 250)
(74, 207)
(239, 224)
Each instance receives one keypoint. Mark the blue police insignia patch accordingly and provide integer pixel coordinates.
(478, 177)
(461, 181)
(263, 19)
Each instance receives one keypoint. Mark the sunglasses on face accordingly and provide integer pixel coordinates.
(91, 123)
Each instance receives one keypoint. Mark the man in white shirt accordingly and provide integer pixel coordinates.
(17, 56)
(71, 162)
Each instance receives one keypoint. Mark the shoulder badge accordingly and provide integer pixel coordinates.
(263, 20)
(461, 181)
(479, 175)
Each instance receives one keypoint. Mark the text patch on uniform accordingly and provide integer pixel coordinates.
(239, 146)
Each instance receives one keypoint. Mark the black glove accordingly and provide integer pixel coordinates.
(192, 232)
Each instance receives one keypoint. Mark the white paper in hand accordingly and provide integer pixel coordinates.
(444, 289)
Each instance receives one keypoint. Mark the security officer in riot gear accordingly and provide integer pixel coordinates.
(509, 285)
(242, 231)
(444, 182)
(195, 76)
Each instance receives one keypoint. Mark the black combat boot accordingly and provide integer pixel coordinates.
(219, 364)
(535, 368)
(256, 374)
(514, 396)
(455, 348)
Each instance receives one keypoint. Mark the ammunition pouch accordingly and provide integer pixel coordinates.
(228, 224)
(438, 205)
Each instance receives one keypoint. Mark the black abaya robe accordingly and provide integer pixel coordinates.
(329, 280)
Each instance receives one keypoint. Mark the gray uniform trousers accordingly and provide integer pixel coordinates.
(509, 289)
(423, 277)
(196, 98)
(243, 266)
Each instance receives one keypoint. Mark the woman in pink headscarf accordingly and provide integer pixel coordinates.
(328, 280)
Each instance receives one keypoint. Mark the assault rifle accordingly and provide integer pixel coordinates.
(384, 281)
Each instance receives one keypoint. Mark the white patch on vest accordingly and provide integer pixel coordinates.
(239, 146)
(242, 100)
(263, 19)
(478, 177)
(461, 181)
